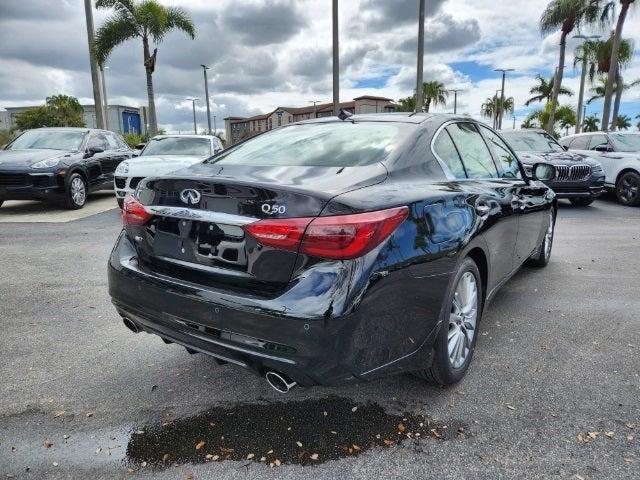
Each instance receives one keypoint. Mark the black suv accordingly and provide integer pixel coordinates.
(578, 177)
(60, 164)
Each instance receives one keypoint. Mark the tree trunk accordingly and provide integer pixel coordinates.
(616, 103)
(427, 104)
(153, 123)
(583, 76)
(611, 78)
(557, 83)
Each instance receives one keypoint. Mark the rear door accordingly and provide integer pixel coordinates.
(493, 197)
(527, 199)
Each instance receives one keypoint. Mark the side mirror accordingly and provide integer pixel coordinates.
(603, 148)
(93, 149)
(543, 172)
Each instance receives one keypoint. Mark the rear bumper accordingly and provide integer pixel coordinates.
(380, 335)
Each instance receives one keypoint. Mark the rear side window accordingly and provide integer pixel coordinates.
(597, 140)
(334, 144)
(507, 161)
(446, 151)
(476, 157)
(580, 143)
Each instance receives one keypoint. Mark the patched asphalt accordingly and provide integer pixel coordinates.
(554, 390)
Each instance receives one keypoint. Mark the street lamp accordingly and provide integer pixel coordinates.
(504, 74)
(455, 99)
(206, 93)
(419, 73)
(193, 103)
(315, 112)
(583, 76)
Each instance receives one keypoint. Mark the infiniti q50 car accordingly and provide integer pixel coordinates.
(334, 250)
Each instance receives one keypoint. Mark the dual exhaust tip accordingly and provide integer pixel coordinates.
(276, 380)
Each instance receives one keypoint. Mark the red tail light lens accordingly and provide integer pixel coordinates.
(133, 212)
(339, 237)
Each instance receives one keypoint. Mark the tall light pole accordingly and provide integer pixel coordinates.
(195, 125)
(336, 59)
(455, 100)
(104, 97)
(214, 124)
(514, 122)
(206, 94)
(315, 112)
(504, 75)
(95, 78)
(583, 76)
(419, 73)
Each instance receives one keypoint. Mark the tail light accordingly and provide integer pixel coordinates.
(133, 212)
(339, 237)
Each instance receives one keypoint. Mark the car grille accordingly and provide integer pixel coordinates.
(574, 173)
(14, 180)
(135, 181)
(121, 182)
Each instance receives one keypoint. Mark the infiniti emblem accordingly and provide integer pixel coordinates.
(190, 196)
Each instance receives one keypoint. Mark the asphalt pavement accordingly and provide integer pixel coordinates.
(553, 392)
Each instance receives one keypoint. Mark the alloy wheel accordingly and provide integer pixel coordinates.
(462, 320)
(78, 191)
(628, 189)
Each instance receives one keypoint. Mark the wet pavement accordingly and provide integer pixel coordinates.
(553, 391)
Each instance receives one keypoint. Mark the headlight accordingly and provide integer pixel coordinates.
(123, 168)
(50, 162)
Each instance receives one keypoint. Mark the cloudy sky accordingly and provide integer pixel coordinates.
(269, 53)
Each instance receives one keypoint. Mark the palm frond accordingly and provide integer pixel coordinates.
(152, 16)
(179, 19)
(114, 31)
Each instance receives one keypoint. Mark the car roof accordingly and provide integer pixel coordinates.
(397, 117)
(183, 135)
(524, 130)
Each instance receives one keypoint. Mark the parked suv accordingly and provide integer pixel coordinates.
(578, 177)
(63, 164)
(619, 154)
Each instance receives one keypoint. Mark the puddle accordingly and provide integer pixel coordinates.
(304, 432)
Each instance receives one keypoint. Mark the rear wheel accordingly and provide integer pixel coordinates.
(581, 201)
(456, 340)
(628, 189)
(76, 192)
(541, 259)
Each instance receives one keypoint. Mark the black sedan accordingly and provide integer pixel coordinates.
(63, 164)
(334, 250)
(578, 177)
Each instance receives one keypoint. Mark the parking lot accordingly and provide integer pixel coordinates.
(553, 390)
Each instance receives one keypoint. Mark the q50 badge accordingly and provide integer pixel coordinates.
(273, 209)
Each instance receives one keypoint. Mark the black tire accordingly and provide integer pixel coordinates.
(120, 202)
(581, 201)
(628, 189)
(1, 202)
(74, 199)
(541, 258)
(442, 371)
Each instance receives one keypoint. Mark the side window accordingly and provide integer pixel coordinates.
(580, 143)
(507, 161)
(98, 140)
(446, 151)
(112, 140)
(476, 157)
(597, 140)
(566, 141)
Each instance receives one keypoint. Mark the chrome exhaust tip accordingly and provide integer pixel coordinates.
(279, 382)
(130, 324)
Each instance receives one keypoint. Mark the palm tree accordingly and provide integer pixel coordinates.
(407, 104)
(491, 106)
(529, 123)
(615, 52)
(565, 117)
(599, 90)
(591, 124)
(434, 93)
(623, 122)
(544, 90)
(145, 19)
(565, 15)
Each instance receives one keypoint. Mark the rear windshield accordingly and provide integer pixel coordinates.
(532, 142)
(335, 144)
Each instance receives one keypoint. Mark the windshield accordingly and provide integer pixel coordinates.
(335, 144)
(200, 147)
(51, 139)
(626, 142)
(522, 141)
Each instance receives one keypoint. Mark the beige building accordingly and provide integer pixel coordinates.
(241, 128)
